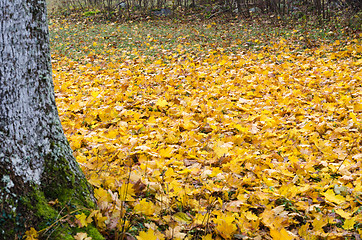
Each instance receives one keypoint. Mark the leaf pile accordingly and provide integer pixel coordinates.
(218, 144)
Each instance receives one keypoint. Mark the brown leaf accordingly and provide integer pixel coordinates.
(139, 186)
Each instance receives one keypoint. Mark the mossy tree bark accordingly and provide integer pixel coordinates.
(36, 161)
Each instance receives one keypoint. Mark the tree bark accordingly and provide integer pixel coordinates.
(36, 161)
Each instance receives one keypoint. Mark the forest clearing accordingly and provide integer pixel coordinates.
(213, 130)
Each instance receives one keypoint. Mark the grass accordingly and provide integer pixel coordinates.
(165, 38)
(52, 4)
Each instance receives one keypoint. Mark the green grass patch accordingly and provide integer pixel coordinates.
(168, 38)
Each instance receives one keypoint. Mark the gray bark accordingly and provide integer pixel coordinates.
(35, 156)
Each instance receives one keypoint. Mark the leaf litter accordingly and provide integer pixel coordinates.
(204, 142)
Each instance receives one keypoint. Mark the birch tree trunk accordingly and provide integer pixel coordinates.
(36, 161)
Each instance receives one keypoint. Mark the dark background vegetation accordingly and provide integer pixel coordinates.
(347, 12)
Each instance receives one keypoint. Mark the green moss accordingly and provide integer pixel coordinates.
(66, 237)
(27, 206)
(60, 230)
(63, 179)
(42, 208)
(65, 232)
(92, 232)
(60, 182)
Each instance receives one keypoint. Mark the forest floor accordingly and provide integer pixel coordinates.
(214, 129)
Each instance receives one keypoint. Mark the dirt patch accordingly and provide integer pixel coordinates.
(52, 4)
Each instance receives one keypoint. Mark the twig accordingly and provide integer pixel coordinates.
(348, 153)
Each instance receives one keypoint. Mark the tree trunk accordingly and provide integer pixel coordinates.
(36, 161)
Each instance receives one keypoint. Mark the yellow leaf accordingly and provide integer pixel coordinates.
(220, 151)
(94, 180)
(199, 219)
(353, 116)
(150, 235)
(76, 142)
(100, 220)
(75, 107)
(169, 174)
(94, 94)
(187, 124)
(83, 220)
(222, 148)
(357, 107)
(331, 197)
(268, 218)
(102, 195)
(319, 222)
(161, 103)
(251, 216)
(349, 223)
(303, 230)
(358, 62)
(182, 218)
(123, 225)
(31, 234)
(343, 214)
(207, 237)
(166, 152)
(226, 230)
(145, 207)
(126, 192)
(225, 226)
(280, 235)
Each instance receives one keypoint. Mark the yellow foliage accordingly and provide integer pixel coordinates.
(225, 226)
(280, 234)
(145, 207)
(150, 235)
(31, 234)
(215, 138)
(349, 223)
(181, 217)
(83, 220)
(332, 197)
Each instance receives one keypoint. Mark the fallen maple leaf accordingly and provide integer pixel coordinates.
(349, 223)
(83, 220)
(145, 207)
(82, 236)
(31, 234)
(149, 235)
(332, 197)
(225, 226)
(281, 234)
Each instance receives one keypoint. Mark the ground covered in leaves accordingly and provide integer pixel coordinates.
(214, 131)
